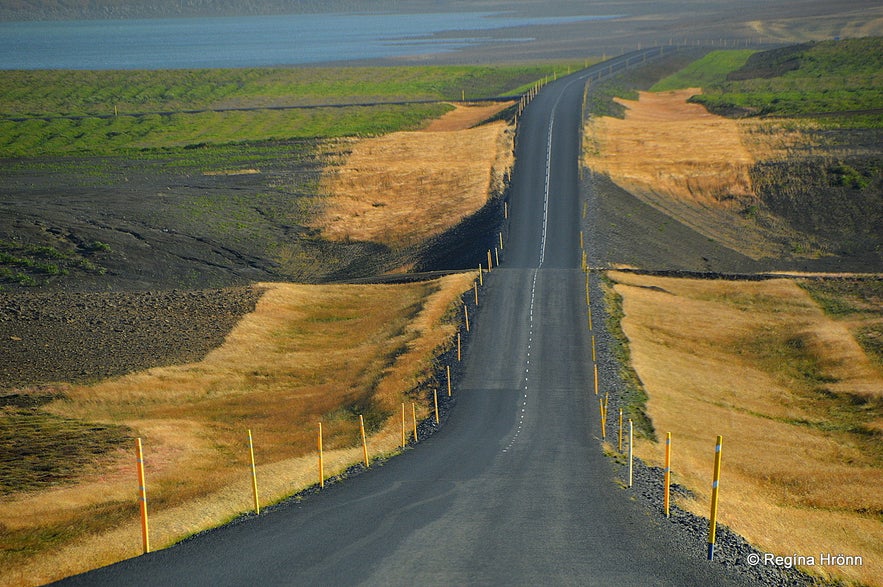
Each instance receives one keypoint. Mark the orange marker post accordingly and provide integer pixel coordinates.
(490, 264)
(142, 497)
(459, 353)
(466, 316)
(448, 369)
(435, 401)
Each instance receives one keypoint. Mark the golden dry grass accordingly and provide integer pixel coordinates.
(307, 353)
(797, 401)
(466, 116)
(690, 164)
(403, 188)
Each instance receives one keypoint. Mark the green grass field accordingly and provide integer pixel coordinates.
(825, 78)
(711, 69)
(126, 110)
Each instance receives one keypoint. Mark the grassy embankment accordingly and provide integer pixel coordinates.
(789, 372)
(273, 374)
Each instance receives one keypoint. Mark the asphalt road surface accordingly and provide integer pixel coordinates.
(514, 489)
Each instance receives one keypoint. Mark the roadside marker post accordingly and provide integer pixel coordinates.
(448, 369)
(595, 369)
(414, 416)
(254, 475)
(620, 430)
(459, 353)
(142, 497)
(631, 452)
(364, 440)
(435, 401)
(490, 264)
(501, 240)
(480, 275)
(666, 498)
(603, 419)
(321, 460)
(466, 316)
(497, 256)
(715, 487)
(475, 289)
(404, 441)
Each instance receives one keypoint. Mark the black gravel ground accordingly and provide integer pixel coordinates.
(78, 337)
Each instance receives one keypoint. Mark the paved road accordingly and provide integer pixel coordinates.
(514, 488)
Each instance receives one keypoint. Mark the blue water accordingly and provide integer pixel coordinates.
(247, 41)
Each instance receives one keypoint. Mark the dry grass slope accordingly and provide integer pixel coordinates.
(798, 403)
(690, 164)
(307, 354)
(403, 188)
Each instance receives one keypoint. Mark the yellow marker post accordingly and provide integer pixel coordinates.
(404, 439)
(459, 353)
(321, 460)
(364, 440)
(435, 401)
(631, 452)
(254, 475)
(480, 275)
(448, 369)
(475, 291)
(596, 378)
(594, 354)
(715, 487)
(142, 497)
(581, 244)
(466, 316)
(414, 416)
(603, 420)
(620, 430)
(667, 476)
